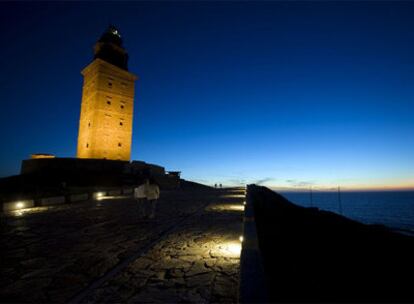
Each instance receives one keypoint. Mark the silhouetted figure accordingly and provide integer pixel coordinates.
(141, 197)
(153, 193)
(221, 186)
(215, 185)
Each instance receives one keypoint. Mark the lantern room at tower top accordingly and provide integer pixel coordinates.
(107, 107)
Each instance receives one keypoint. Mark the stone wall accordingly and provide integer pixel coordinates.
(72, 164)
(72, 196)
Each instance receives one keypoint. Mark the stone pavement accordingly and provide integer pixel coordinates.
(98, 251)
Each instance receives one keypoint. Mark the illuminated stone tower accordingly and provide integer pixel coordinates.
(105, 124)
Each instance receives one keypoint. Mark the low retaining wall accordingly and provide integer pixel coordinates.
(312, 256)
(55, 200)
(78, 197)
(252, 288)
(61, 199)
(115, 192)
(128, 190)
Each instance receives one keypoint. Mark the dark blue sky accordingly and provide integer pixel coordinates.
(282, 93)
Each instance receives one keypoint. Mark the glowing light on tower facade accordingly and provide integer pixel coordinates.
(105, 124)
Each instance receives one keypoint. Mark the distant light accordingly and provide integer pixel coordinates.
(241, 239)
(244, 203)
(20, 205)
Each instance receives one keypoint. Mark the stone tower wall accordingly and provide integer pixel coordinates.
(105, 126)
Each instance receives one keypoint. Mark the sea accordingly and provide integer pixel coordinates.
(394, 209)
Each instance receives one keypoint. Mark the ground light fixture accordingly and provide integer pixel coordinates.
(232, 249)
(226, 207)
(236, 207)
(99, 195)
(19, 205)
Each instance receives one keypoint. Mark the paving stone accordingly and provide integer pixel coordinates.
(126, 291)
(177, 282)
(134, 284)
(210, 263)
(16, 291)
(102, 267)
(197, 268)
(141, 263)
(39, 273)
(153, 295)
(168, 263)
(160, 275)
(190, 258)
(193, 296)
(65, 280)
(34, 262)
(224, 287)
(175, 273)
(204, 279)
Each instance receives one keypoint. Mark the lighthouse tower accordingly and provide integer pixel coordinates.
(105, 124)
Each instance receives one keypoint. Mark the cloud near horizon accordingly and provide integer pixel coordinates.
(298, 183)
(264, 181)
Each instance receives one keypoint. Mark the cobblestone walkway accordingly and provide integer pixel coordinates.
(81, 252)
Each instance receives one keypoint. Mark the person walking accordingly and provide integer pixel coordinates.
(141, 196)
(153, 193)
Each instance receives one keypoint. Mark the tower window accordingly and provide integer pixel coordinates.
(121, 124)
(87, 145)
(119, 145)
(89, 124)
(110, 84)
(108, 102)
(122, 106)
